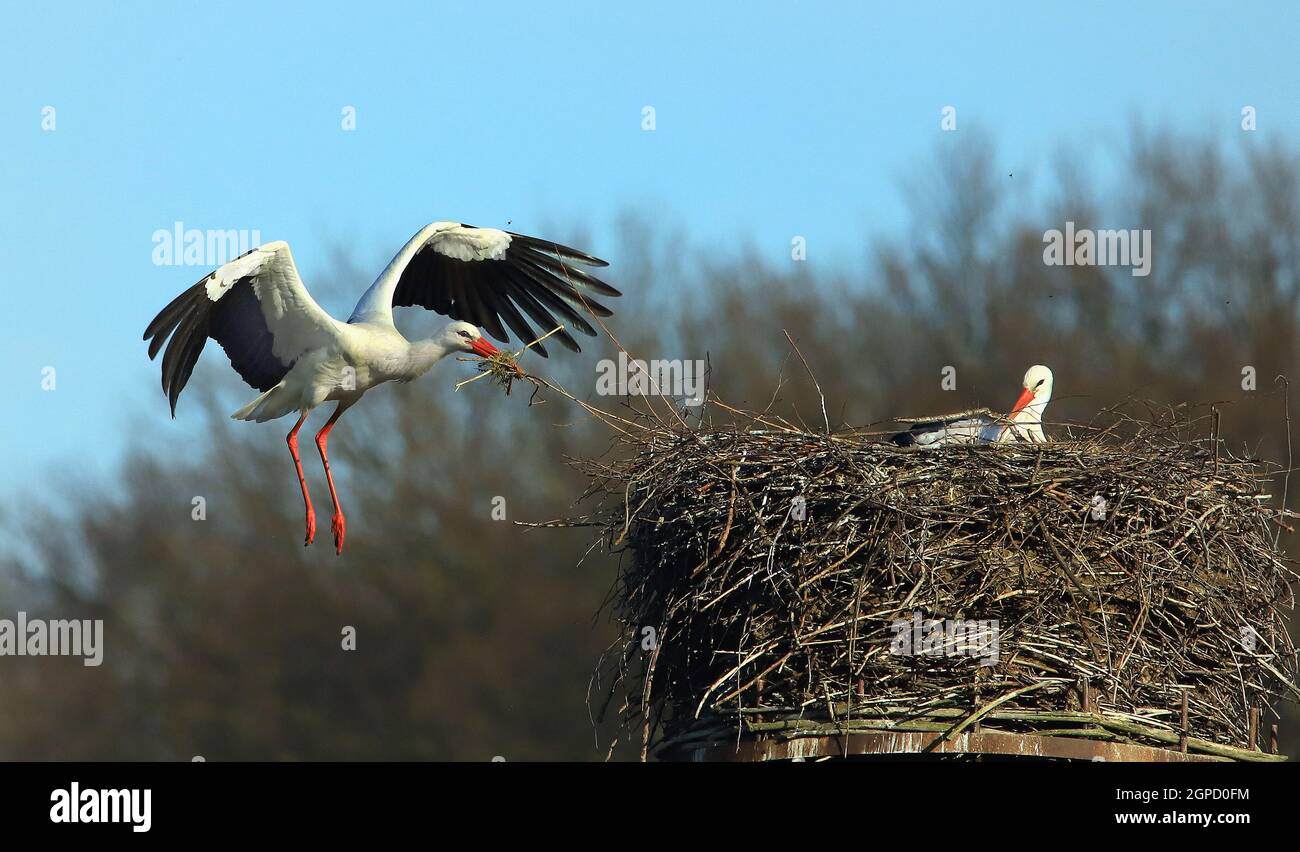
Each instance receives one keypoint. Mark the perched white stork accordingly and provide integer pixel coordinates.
(283, 344)
(1023, 423)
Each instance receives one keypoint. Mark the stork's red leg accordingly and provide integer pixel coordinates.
(302, 481)
(337, 522)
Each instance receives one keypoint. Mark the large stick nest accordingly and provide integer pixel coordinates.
(773, 565)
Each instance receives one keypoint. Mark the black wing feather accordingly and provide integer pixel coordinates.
(188, 327)
(566, 273)
(167, 320)
(554, 248)
(516, 321)
(545, 293)
(534, 277)
(536, 311)
(488, 307)
(235, 321)
(476, 310)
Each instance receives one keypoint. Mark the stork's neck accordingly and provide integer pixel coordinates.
(376, 303)
(421, 355)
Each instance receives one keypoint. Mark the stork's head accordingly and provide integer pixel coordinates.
(1036, 393)
(465, 337)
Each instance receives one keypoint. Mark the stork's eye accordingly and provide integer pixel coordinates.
(464, 334)
(1040, 383)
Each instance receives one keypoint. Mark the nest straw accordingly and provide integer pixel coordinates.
(773, 620)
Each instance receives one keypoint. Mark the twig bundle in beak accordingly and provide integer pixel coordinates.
(503, 367)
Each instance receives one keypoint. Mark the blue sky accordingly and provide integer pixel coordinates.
(772, 119)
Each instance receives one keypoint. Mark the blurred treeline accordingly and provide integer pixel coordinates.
(476, 637)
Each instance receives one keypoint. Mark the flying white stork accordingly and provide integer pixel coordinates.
(283, 344)
(1023, 423)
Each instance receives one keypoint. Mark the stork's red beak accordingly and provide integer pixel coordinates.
(483, 349)
(1026, 397)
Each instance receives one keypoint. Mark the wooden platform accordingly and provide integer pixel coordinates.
(928, 745)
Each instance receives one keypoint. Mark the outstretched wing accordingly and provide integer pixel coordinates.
(493, 279)
(256, 307)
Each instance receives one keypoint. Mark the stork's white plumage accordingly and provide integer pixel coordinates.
(282, 342)
(1023, 423)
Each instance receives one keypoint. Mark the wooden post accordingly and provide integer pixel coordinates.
(1254, 728)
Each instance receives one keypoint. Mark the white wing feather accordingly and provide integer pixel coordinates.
(298, 323)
